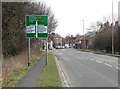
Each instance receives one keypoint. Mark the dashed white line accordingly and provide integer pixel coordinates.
(117, 67)
(110, 65)
(99, 61)
(92, 59)
(106, 63)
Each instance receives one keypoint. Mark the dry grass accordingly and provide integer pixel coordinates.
(17, 62)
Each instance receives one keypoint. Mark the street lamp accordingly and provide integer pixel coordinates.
(112, 31)
(83, 36)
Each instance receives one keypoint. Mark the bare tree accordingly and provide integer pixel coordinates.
(14, 23)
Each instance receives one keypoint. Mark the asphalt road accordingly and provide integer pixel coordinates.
(85, 69)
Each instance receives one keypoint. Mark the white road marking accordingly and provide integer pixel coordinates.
(99, 61)
(62, 74)
(113, 66)
(110, 65)
(116, 67)
(106, 64)
(92, 59)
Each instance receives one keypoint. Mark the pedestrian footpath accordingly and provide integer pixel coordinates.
(33, 75)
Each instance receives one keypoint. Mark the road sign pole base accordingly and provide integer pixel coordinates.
(28, 64)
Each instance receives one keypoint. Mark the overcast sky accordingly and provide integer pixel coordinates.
(70, 13)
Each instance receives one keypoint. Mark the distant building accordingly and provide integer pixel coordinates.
(50, 44)
(70, 41)
(81, 42)
(78, 42)
(58, 40)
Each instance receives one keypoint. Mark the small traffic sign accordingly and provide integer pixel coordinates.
(36, 26)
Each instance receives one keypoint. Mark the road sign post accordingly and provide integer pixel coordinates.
(29, 52)
(46, 51)
(36, 27)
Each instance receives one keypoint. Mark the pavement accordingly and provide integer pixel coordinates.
(86, 69)
(33, 75)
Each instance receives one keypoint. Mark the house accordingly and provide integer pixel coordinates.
(50, 44)
(58, 40)
(81, 42)
(70, 41)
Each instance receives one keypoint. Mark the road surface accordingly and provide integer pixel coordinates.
(86, 69)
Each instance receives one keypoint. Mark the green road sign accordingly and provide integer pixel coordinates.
(36, 26)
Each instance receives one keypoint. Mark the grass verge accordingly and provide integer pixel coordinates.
(19, 72)
(100, 52)
(50, 75)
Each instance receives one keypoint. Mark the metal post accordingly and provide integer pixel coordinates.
(112, 31)
(28, 51)
(46, 51)
(83, 36)
(36, 29)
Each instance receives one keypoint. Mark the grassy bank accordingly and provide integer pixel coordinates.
(16, 67)
(50, 76)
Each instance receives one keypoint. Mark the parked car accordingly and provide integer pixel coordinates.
(50, 48)
(59, 47)
(63, 47)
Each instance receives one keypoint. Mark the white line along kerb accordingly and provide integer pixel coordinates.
(62, 75)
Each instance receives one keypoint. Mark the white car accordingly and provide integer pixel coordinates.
(50, 48)
(58, 47)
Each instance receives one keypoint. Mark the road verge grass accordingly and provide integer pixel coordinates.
(50, 76)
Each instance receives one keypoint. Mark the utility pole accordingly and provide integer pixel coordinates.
(83, 36)
(112, 31)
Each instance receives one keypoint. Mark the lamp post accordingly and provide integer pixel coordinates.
(112, 31)
(83, 36)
